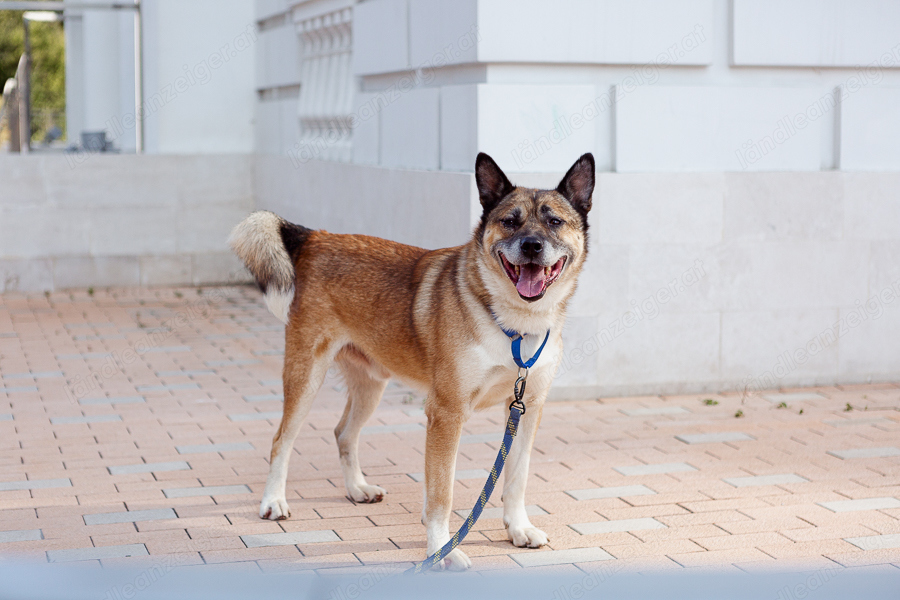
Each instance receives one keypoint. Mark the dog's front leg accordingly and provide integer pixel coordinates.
(518, 526)
(441, 444)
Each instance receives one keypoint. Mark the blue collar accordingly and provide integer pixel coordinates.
(517, 338)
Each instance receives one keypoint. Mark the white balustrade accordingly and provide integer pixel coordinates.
(326, 79)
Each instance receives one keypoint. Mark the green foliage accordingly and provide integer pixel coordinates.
(48, 78)
(738, 414)
(710, 402)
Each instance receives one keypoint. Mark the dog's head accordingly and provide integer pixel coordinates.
(534, 241)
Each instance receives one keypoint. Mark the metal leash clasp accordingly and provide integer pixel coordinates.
(519, 391)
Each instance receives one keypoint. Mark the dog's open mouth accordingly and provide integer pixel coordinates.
(532, 280)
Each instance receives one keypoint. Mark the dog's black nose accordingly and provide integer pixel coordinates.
(531, 247)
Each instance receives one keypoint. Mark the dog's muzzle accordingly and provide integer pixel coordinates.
(532, 279)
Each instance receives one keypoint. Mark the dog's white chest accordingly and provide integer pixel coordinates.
(493, 371)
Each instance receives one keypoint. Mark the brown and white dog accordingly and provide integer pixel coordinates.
(432, 319)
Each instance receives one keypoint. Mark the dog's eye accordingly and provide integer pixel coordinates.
(555, 222)
(508, 223)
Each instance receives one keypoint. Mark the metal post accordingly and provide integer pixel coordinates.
(25, 95)
(138, 79)
(11, 97)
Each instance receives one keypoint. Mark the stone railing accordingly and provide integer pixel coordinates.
(326, 77)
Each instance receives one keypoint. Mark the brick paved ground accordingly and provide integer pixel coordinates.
(164, 452)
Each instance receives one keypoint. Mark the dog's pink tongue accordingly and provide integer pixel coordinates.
(531, 280)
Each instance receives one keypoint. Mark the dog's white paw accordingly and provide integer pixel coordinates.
(274, 509)
(366, 494)
(527, 537)
(455, 561)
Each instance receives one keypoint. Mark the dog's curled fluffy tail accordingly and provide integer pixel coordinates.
(268, 245)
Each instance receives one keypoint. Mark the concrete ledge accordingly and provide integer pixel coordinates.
(115, 220)
(66, 272)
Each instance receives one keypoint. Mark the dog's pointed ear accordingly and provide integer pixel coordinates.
(493, 185)
(578, 184)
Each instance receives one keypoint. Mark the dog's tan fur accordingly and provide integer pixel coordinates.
(381, 309)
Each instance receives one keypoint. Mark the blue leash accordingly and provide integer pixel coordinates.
(516, 410)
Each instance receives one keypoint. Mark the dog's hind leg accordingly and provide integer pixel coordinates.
(304, 371)
(365, 385)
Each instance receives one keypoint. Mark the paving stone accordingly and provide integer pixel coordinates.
(614, 526)
(654, 469)
(865, 452)
(480, 438)
(859, 422)
(861, 504)
(21, 535)
(760, 480)
(657, 410)
(6, 417)
(18, 389)
(611, 492)
(232, 363)
(101, 553)
(229, 336)
(167, 349)
(464, 474)
(549, 558)
(793, 397)
(132, 516)
(290, 539)
(166, 388)
(268, 353)
(204, 448)
(256, 416)
(112, 400)
(129, 464)
(713, 438)
(160, 467)
(194, 373)
(265, 398)
(400, 427)
(876, 542)
(531, 510)
(35, 484)
(145, 330)
(84, 356)
(8, 334)
(42, 375)
(215, 490)
(89, 419)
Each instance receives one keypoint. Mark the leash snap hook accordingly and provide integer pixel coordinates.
(519, 393)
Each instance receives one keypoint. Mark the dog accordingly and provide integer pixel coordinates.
(432, 319)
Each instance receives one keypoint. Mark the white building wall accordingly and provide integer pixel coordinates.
(100, 74)
(869, 129)
(199, 60)
(814, 33)
(723, 127)
(687, 85)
